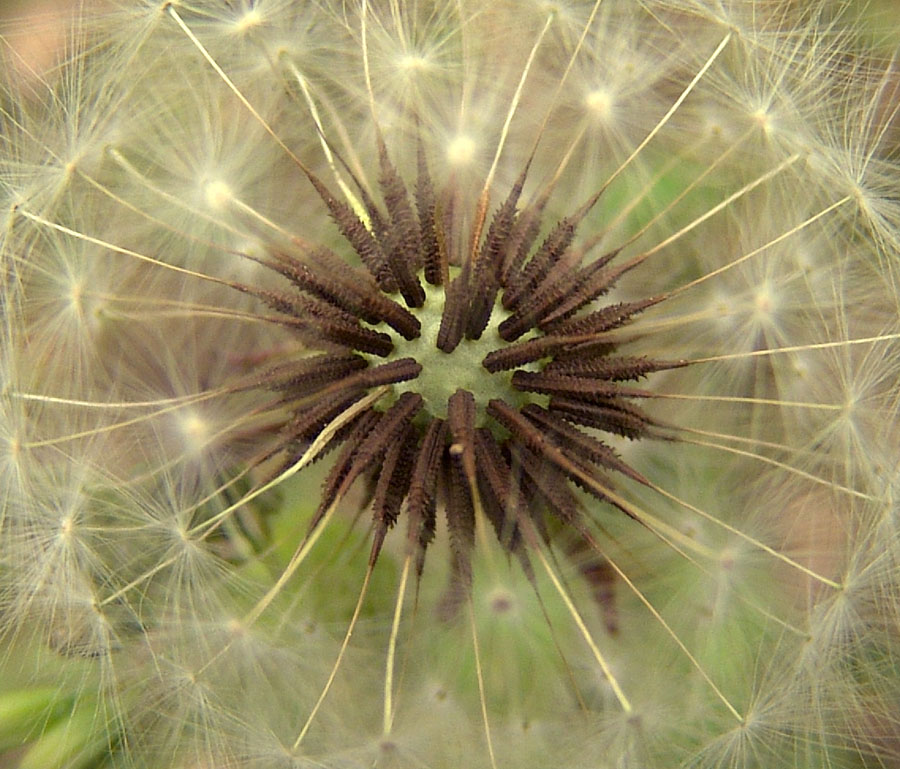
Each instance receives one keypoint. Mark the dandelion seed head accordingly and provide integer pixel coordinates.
(413, 61)
(461, 150)
(247, 21)
(502, 602)
(601, 102)
(217, 194)
(12, 453)
(195, 430)
(765, 121)
(595, 304)
(765, 305)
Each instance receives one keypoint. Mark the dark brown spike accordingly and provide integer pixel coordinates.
(531, 350)
(461, 528)
(400, 210)
(297, 305)
(461, 418)
(579, 444)
(346, 288)
(358, 235)
(563, 291)
(307, 307)
(280, 301)
(614, 368)
(612, 416)
(523, 283)
(343, 334)
(535, 439)
(591, 282)
(377, 224)
(493, 249)
(453, 318)
(397, 317)
(311, 373)
(324, 261)
(376, 220)
(369, 295)
(426, 207)
(489, 261)
(451, 239)
(551, 484)
(401, 243)
(393, 480)
(548, 482)
(501, 502)
(555, 245)
(595, 348)
(559, 281)
(295, 447)
(410, 288)
(605, 319)
(333, 486)
(392, 372)
(521, 240)
(349, 389)
(390, 426)
(518, 426)
(309, 422)
(305, 277)
(481, 305)
(581, 388)
(422, 496)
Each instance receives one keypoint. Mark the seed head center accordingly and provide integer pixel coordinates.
(445, 373)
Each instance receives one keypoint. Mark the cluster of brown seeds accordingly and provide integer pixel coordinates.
(513, 459)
